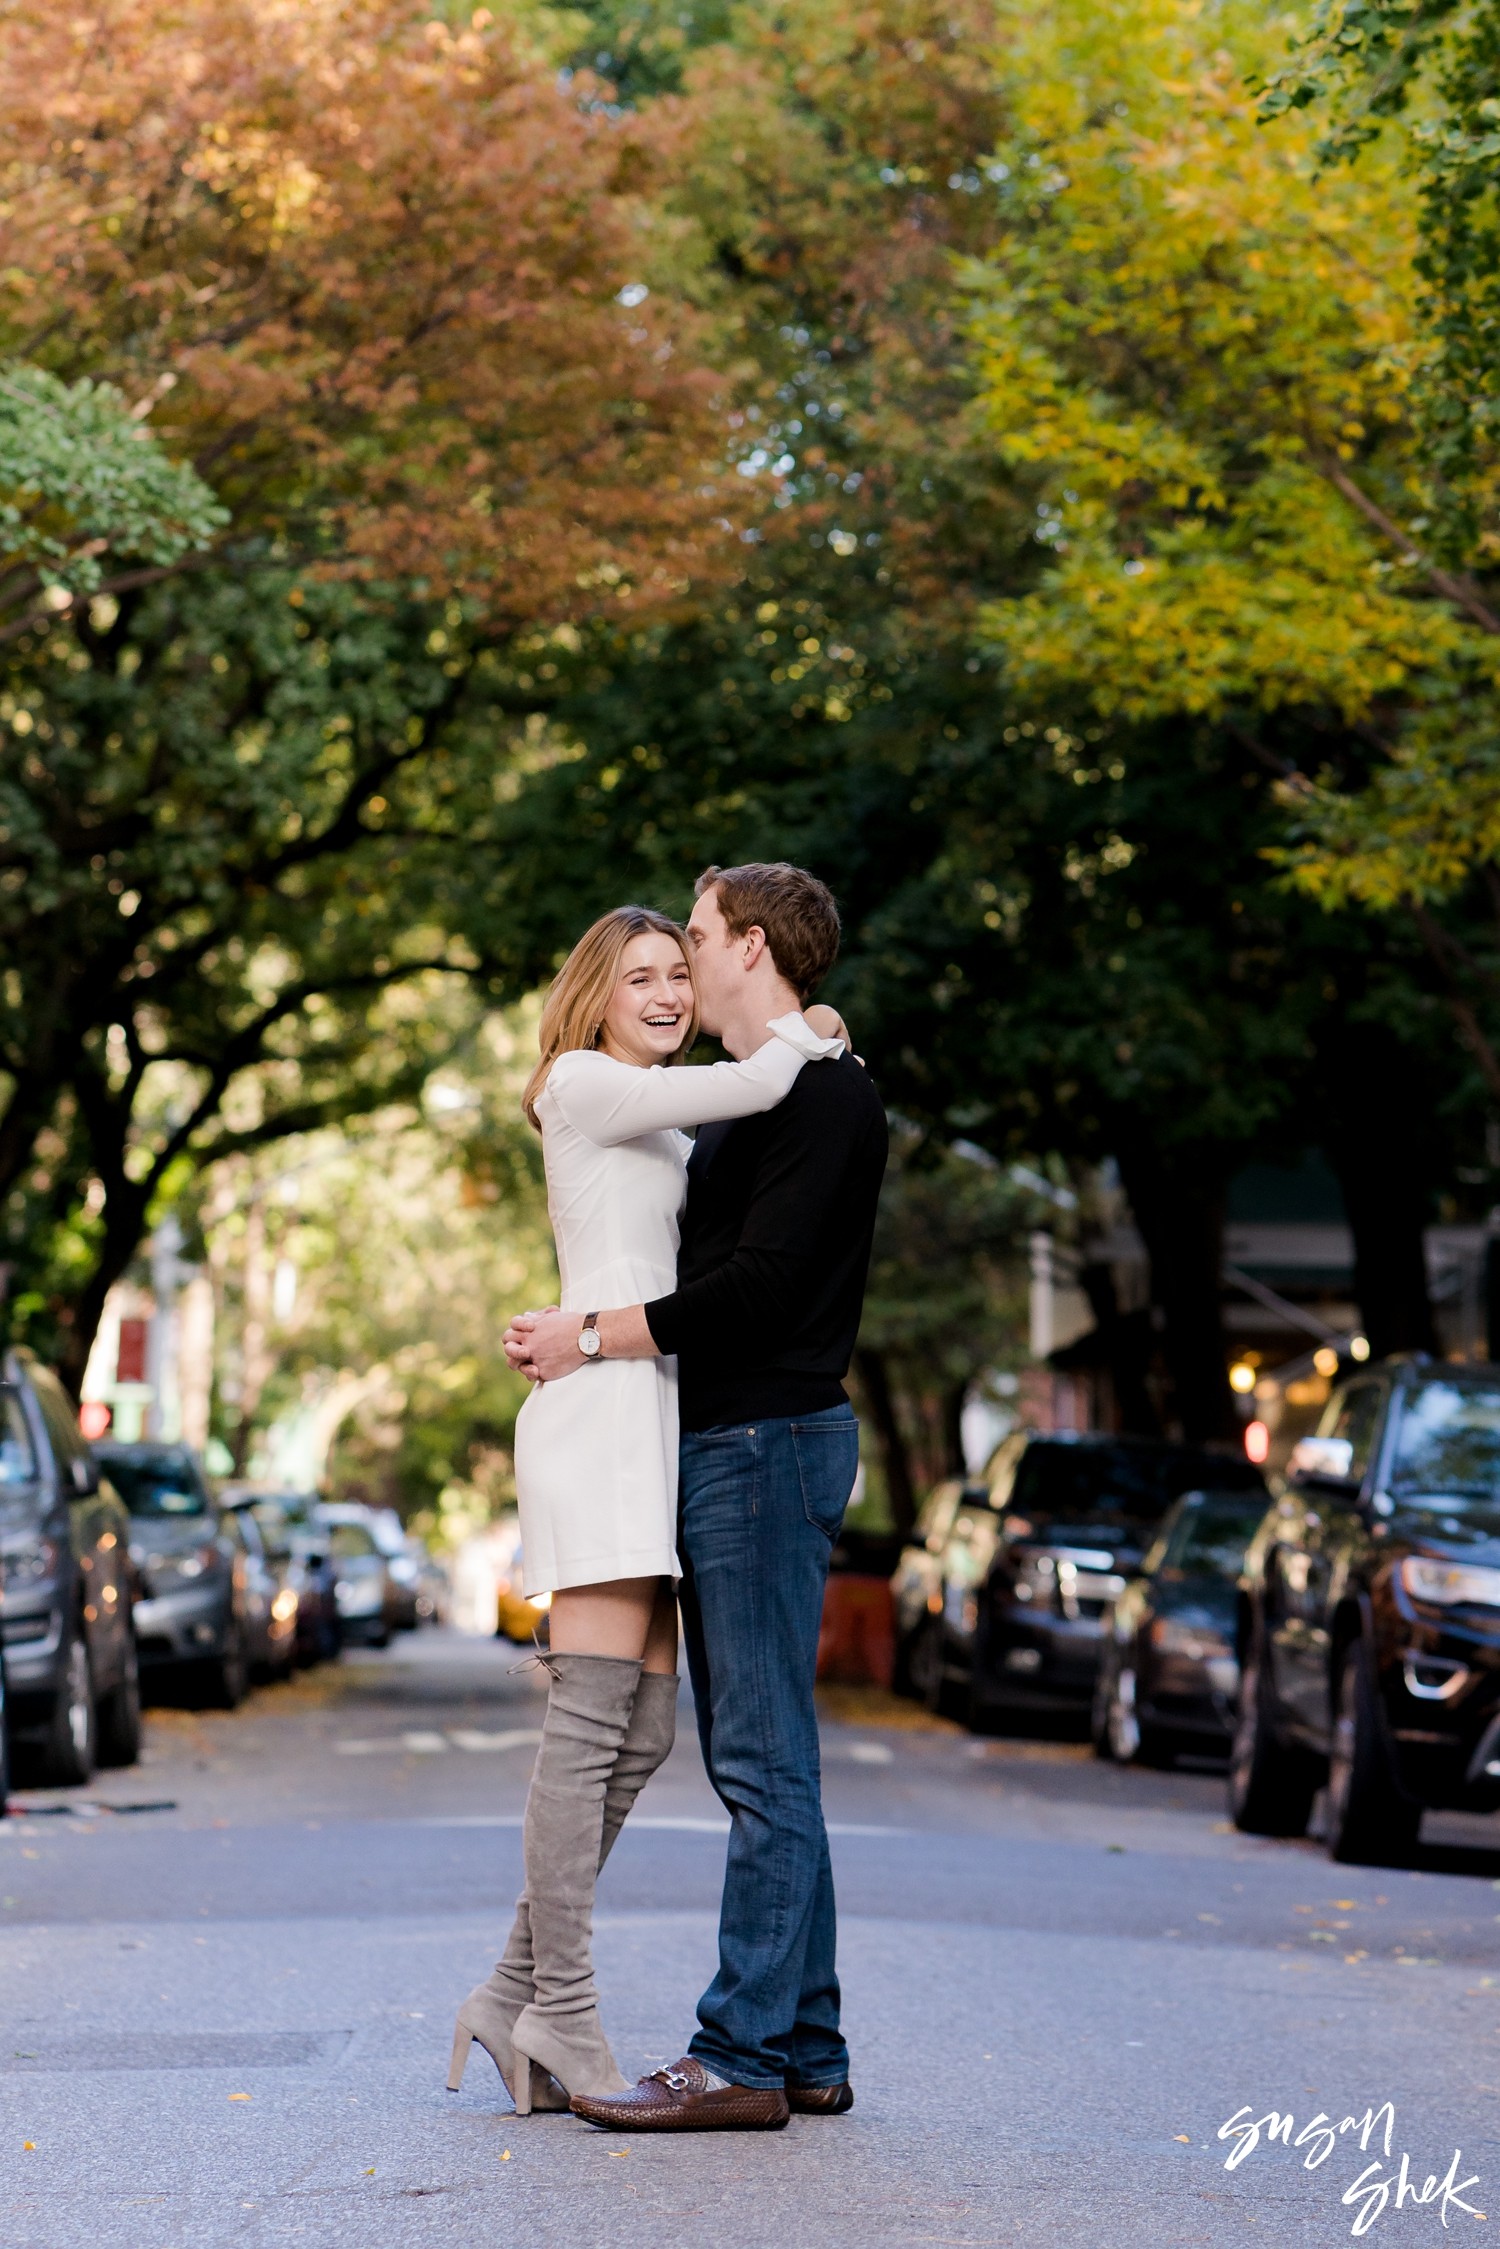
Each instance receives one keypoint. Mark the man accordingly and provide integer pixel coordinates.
(776, 1239)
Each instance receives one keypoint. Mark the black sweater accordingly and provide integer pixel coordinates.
(775, 1250)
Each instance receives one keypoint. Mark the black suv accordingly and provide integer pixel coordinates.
(1369, 1620)
(1075, 1516)
(70, 1658)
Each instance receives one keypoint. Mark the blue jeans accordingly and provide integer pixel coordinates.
(761, 1507)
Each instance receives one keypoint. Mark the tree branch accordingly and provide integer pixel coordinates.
(1459, 591)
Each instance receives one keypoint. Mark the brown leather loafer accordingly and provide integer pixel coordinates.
(680, 2099)
(820, 2100)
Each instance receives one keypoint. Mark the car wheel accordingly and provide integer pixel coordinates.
(69, 1751)
(924, 1663)
(1099, 1711)
(1123, 1726)
(227, 1678)
(901, 1666)
(1371, 1819)
(118, 1717)
(1271, 1785)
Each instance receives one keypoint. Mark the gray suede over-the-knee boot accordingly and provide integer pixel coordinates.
(588, 1714)
(490, 2011)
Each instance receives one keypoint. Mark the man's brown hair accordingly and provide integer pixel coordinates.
(795, 910)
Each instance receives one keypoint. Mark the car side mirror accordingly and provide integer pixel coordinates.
(83, 1473)
(1325, 1462)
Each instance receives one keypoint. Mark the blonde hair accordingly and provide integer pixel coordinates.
(574, 1009)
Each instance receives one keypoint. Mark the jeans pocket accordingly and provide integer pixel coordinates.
(827, 1462)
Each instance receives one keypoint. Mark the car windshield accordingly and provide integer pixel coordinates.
(350, 1541)
(156, 1482)
(1085, 1491)
(1449, 1442)
(1211, 1535)
(17, 1460)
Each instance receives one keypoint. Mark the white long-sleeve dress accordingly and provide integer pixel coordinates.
(596, 1453)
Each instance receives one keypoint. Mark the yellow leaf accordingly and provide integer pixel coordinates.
(1183, 2136)
(239, 2096)
(505, 2155)
(620, 2153)
(28, 2146)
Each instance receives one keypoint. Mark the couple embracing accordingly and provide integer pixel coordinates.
(688, 1443)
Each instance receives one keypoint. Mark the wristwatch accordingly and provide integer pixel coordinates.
(590, 1343)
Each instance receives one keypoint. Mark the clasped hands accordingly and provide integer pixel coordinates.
(544, 1345)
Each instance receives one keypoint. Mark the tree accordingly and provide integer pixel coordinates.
(946, 1304)
(1420, 831)
(379, 278)
(1062, 931)
(374, 1268)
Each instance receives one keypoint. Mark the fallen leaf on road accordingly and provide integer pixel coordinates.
(505, 2155)
(1183, 2136)
(620, 2153)
(28, 2147)
(239, 2096)
(371, 2172)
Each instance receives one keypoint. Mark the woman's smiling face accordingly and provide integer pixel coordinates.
(650, 1007)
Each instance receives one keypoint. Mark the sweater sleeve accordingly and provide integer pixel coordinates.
(609, 1101)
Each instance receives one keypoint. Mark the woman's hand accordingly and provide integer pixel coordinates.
(827, 1023)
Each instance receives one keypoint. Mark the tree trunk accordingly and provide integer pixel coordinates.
(1124, 1343)
(1178, 1204)
(954, 1398)
(900, 1486)
(1377, 1130)
(124, 1224)
(256, 1359)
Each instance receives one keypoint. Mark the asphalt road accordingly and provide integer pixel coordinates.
(227, 1980)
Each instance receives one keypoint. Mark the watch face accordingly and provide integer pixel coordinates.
(588, 1343)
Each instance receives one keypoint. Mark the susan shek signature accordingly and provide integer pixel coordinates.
(1382, 2184)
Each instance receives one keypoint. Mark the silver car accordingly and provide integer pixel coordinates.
(193, 1619)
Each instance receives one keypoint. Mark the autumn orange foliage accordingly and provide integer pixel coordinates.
(365, 269)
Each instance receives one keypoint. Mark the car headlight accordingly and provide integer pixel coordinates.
(164, 1571)
(284, 1605)
(1197, 1641)
(30, 1565)
(1449, 1585)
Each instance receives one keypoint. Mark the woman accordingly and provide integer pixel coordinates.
(596, 1464)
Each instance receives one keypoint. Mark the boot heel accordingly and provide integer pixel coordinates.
(462, 2040)
(522, 2065)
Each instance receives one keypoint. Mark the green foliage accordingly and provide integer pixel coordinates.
(85, 486)
(243, 830)
(1425, 73)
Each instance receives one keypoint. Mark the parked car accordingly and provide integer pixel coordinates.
(933, 1592)
(299, 1544)
(367, 1595)
(69, 1586)
(1168, 1675)
(1369, 1623)
(192, 1622)
(270, 1598)
(1074, 1516)
(403, 1560)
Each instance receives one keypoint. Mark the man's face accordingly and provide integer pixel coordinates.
(717, 960)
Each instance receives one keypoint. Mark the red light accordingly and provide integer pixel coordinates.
(1257, 1441)
(94, 1417)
